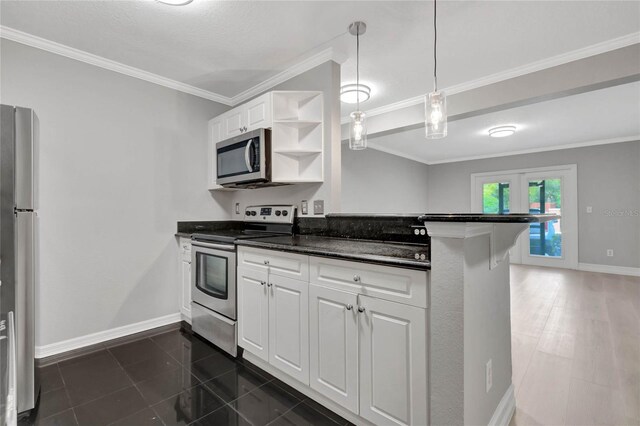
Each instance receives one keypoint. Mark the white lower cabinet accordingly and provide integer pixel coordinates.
(253, 312)
(273, 319)
(393, 362)
(366, 354)
(333, 345)
(289, 326)
(185, 273)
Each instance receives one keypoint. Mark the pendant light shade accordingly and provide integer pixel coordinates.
(435, 106)
(436, 115)
(358, 124)
(357, 131)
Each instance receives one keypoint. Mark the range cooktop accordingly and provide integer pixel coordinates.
(259, 221)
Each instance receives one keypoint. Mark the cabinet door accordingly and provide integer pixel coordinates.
(253, 312)
(233, 121)
(333, 345)
(289, 326)
(186, 290)
(393, 363)
(258, 112)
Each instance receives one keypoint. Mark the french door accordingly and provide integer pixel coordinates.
(536, 191)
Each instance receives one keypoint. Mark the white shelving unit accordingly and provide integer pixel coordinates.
(297, 137)
(296, 119)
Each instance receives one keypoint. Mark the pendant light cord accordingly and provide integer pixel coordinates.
(435, 48)
(358, 66)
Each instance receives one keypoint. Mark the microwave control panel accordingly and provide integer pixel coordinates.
(273, 214)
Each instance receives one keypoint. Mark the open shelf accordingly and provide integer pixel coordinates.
(298, 152)
(297, 106)
(298, 123)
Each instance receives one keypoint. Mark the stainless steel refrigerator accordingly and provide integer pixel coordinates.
(18, 260)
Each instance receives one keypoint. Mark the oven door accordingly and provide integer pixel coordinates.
(243, 158)
(213, 277)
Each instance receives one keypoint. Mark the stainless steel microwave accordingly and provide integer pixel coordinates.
(244, 161)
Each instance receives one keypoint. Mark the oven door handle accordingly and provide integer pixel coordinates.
(225, 247)
(247, 155)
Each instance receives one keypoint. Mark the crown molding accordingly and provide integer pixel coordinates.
(564, 58)
(585, 144)
(328, 54)
(99, 61)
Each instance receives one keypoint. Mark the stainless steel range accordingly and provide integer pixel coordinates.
(213, 277)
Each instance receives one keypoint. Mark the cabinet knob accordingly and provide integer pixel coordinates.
(270, 284)
(262, 283)
(266, 262)
(361, 309)
(356, 278)
(349, 307)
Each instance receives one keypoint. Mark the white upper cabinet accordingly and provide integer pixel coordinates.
(296, 120)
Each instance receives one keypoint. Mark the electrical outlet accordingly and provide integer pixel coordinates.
(609, 252)
(318, 207)
(589, 209)
(237, 208)
(304, 207)
(489, 376)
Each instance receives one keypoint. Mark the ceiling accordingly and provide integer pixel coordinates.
(227, 47)
(601, 116)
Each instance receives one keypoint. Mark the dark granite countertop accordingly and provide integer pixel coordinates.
(488, 218)
(384, 253)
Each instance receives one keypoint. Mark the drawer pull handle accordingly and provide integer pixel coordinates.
(266, 262)
(349, 307)
(269, 285)
(262, 283)
(356, 278)
(361, 309)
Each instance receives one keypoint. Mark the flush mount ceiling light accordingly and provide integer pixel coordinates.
(358, 125)
(435, 122)
(502, 131)
(175, 2)
(352, 93)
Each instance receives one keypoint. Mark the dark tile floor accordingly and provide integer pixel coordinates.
(169, 379)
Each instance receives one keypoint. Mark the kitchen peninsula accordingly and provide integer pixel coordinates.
(394, 319)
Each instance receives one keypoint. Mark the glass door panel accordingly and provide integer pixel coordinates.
(545, 196)
(211, 275)
(495, 197)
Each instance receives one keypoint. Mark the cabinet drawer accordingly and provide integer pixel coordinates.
(280, 263)
(384, 282)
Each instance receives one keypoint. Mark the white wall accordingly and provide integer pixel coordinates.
(608, 180)
(120, 163)
(325, 78)
(374, 181)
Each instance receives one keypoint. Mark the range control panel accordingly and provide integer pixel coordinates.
(273, 214)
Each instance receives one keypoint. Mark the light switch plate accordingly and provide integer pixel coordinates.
(318, 207)
(304, 207)
(237, 208)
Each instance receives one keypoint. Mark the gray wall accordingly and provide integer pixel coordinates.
(608, 180)
(325, 78)
(374, 181)
(120, 162)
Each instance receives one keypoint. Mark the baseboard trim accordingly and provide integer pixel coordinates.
(505, 409)
(103, 336)
(609, 269)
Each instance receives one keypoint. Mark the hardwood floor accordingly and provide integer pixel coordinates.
(575, 347)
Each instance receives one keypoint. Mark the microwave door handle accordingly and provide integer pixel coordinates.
(247, 155)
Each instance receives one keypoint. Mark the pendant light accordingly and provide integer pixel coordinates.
(436, 101)
(358, 125)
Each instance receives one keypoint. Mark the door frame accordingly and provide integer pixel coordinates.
(520, 253)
